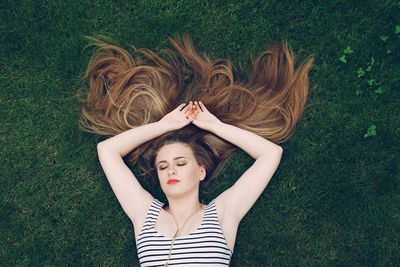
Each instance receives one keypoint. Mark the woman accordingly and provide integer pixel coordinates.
(188, 145)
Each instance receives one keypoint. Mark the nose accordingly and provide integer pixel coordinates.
(171, 171)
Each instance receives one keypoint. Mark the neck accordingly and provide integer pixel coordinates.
(184, 207)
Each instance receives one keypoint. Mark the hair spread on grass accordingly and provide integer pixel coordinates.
(128, 90)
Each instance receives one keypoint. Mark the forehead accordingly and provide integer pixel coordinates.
(170, 151)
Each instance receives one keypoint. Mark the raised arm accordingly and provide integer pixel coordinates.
(240, 197)
(133, 198)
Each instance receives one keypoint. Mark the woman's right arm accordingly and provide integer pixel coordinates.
(133, 198)
(125, 142)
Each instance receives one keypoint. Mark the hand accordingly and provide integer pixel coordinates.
(179, 117)
(202, 118)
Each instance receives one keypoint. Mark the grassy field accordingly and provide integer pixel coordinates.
(334, 200)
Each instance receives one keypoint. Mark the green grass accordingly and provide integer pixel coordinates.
(334, 199)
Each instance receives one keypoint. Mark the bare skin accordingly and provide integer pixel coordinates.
(231, 205)
(183, 197)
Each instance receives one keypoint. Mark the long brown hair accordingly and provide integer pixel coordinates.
(128, 90)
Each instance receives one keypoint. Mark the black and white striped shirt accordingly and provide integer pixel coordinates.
(204, 247)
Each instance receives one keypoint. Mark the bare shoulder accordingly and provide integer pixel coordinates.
(224, 213)
(139, 218)
(229, 224)
(242, 195)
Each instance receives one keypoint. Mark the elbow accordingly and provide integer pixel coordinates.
(276, 151)
(101, 146)
(280, 150)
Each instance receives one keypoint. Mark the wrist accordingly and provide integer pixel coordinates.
(215, 126)
(165, 126)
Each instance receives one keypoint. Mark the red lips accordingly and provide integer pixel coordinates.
(173, 181)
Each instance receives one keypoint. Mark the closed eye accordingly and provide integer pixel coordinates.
(182, 164)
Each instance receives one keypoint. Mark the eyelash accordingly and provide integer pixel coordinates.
(183, 164)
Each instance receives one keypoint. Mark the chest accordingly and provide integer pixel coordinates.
(165, 225)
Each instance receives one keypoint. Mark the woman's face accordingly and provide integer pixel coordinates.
(177, 161)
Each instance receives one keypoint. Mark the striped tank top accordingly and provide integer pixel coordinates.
(206, 246)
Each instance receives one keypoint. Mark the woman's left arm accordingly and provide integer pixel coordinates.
(253, 144)
(240, 197)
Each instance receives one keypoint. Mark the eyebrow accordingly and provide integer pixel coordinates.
(174, 159)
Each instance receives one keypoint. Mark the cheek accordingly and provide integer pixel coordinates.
(159, 175)
(193, 173)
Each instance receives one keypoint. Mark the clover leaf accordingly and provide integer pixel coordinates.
(348, 50)
(384, 38)
(397, 30)
(371, 82)
(379, 90)
(360, 72)
(371, 131)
